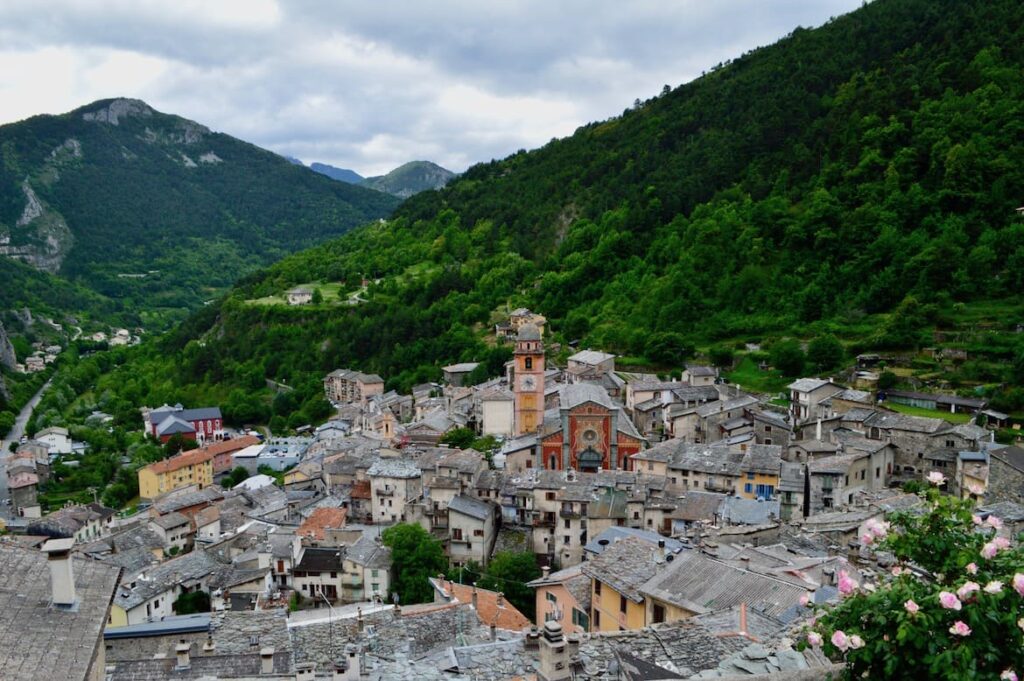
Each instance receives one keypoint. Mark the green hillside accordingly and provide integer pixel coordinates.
(158, 211)
(410, 178)
(859, 179)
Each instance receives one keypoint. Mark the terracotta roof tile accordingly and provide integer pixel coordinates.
(320, 520)
(175, 462)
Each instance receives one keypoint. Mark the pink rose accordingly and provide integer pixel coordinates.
(960, 629)
(897, 571)
(972, 568)
(993, 522)
(856, 642)
(976, 519)
(866, 539)
(993, 587)
(967, 589)
(1001, 542)
(936, 478)
(1018, 583)
(839, 640)
(814, 638)
(846, 585)
(805, 600)
(911, 606)
(1008, 675)
(876, 528)
(989, 551)
(949, 600)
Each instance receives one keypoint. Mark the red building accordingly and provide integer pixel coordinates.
(201, 425)
(590, 432)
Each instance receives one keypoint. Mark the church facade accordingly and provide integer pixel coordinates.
(589, 433)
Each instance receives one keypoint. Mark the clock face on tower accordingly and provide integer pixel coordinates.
(527, 383)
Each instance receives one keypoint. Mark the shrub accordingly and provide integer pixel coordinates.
(951, 610)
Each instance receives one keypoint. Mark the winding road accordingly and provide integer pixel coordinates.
(15, 436)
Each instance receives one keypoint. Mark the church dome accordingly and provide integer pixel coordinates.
(528, 332)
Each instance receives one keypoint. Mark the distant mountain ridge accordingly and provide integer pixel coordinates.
(411, 178)
(158, 211)
(340, 174)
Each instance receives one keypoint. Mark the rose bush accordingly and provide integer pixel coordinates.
(932, 618)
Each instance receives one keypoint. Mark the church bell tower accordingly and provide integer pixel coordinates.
(529, 380)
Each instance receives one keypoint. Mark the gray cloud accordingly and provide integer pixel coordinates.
(371, 85)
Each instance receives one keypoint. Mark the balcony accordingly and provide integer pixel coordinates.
(385, 492)
(719, 486)
(547, 520)
(569, 512)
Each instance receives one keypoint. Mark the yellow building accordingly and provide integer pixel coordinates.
(190, 468)
(616, 574)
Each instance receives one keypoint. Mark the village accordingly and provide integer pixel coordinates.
(678, 528)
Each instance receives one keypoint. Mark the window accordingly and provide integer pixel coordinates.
(580, 619)
(529, 363)
(622, 604)
(750, 476)
(636, 515)
(567, 524)
(457, 533)
(375, 586)
(597, 588)
(549, 496)
(553, 464)
(767, 429)
(765, 491)
(566, 539)
(551, 597)
(597, 619)
(659, 613)
(767, 440)
(478, 533)
(650, 465)
(748, 488)
(374, 573)
(863, 474)
(950, 444)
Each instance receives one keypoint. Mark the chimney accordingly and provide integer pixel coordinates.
(532, 638)
(264, 555)
(347, 668)
(209, 647)
(501, 600)
(494, 629)
(62, 576)
(359, 619)
(267, 660)
(573, 640)
(817, 430)
(554, 654)
(745, 562)
(181, 650)
(474, 597)
(305, 671)
(545, 572)
(743, 619)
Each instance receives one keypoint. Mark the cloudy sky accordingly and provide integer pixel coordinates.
(369, 85)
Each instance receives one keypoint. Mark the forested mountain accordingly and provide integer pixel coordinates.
(859, 178)
(341, 174)
(410, 178)
(158, 211)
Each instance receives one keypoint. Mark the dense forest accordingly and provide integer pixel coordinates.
(158, 211)
(858, 179)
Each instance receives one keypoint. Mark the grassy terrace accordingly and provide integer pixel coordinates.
(930, 413)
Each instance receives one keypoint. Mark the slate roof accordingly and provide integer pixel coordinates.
(471, 507)
(720, 406)
(897, 421)
(369, 554)
(185, 569)
(173, 425)
(806, 385)
(200, 667)
(37, 640)
(578, 393)
(591, 357)
(695, 505)
(626, 565)
(170, 520)
(701, 584)
(393, 468)
(316, 559)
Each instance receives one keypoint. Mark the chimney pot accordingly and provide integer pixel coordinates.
(62, 577)
(474, 596)
(545, 572)
(181, 650)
